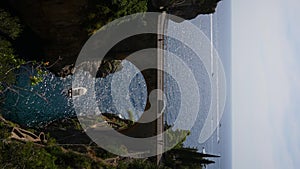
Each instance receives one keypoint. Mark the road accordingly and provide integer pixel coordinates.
(161, 26)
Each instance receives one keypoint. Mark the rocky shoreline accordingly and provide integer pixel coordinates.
(61, 28)
(67, 146)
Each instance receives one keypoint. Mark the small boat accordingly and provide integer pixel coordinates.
(76, 92)
(203, 150)
(120, 116)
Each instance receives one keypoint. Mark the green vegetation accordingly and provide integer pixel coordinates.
(16, 154)
(58, 154)
(10, 26)
(19, 155)
(59, 151)
(102, 12)
(10, 29)
(176, 138)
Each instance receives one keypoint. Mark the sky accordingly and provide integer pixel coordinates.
(266, 84)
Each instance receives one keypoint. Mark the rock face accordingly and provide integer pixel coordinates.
(107, 67)
(186, 9)
(59, 25)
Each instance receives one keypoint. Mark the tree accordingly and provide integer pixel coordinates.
(10, 29)
(102, 12)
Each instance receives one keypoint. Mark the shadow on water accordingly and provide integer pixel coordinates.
(29, 46)
(48, 101)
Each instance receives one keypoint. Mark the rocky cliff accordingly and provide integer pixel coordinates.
(186, 9)
(60, 24)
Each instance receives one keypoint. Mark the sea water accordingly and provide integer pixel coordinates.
(48, 101)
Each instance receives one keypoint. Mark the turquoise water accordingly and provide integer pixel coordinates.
(47, 101)
(29, 109)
